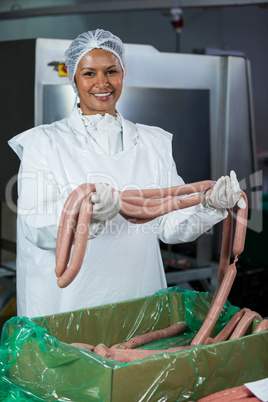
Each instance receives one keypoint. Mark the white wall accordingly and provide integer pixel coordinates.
(243, 28)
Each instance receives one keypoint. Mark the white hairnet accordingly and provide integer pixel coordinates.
(87, 41)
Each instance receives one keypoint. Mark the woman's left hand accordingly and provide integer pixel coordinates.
(225, 194)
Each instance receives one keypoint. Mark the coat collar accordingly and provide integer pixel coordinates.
(130, 132)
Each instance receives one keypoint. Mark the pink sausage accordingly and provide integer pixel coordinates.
(262, 326)
(128, 355)
(136, 211)
(244, 323)
(230, 394)
(229, 327)
(226, 245)
(65, 236)
(144, 202)
(70, 212)
(248, 399)
(143, 339)
(213, 299)
(245, 309)
(217, 307)
(169, 204)
(151, 210)
(240, 229)
(80, 244)
(209, 341)
(191, 200)
(68, 221)
(68, 205)
(173, 191)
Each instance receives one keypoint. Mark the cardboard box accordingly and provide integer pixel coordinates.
(39, 362)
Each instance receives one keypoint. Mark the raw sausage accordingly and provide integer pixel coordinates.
(144, 202)
(228, 329)
(226, 245)
(262, 326)
(65, 237)
(209, 341)
(150, 212)
(133, 208)
(213, 299)
(241, 228)
(140, 340)
(80, 244)
(162, 207)
(244, 323)
(175, 191)
(129, 355)
(137, 206)
(67, 226)
(235, 393)
(217, 307)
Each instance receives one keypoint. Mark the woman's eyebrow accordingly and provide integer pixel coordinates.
(112, 66)
(88, 68)
(94, 69)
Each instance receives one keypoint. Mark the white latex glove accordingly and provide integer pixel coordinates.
(106, 204)
(225, 194)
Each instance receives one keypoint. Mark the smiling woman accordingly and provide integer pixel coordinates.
(99, 82)
(96, 145)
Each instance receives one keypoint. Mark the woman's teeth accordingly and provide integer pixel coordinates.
(102, 95)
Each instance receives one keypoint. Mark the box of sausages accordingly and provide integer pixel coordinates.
(55, 357)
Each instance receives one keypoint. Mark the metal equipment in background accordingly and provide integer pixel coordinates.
(204, 100)
(112, 6)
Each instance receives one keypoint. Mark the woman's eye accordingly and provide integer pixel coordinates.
(89, 73)
(112, 72)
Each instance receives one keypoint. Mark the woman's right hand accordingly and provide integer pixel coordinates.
(106, 203)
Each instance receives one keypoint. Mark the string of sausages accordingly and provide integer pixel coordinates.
(227, 272)
(241, 321)
(140, 206)
(127, 351)
(137, 206)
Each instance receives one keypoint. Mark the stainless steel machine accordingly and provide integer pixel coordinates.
(205, 101)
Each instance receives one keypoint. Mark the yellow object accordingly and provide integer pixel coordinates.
(62, 70)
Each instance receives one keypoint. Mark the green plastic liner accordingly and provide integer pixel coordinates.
(38, 363)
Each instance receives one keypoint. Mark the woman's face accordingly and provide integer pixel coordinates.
(99, 81)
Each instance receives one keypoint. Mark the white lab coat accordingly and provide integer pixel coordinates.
(124, 262)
